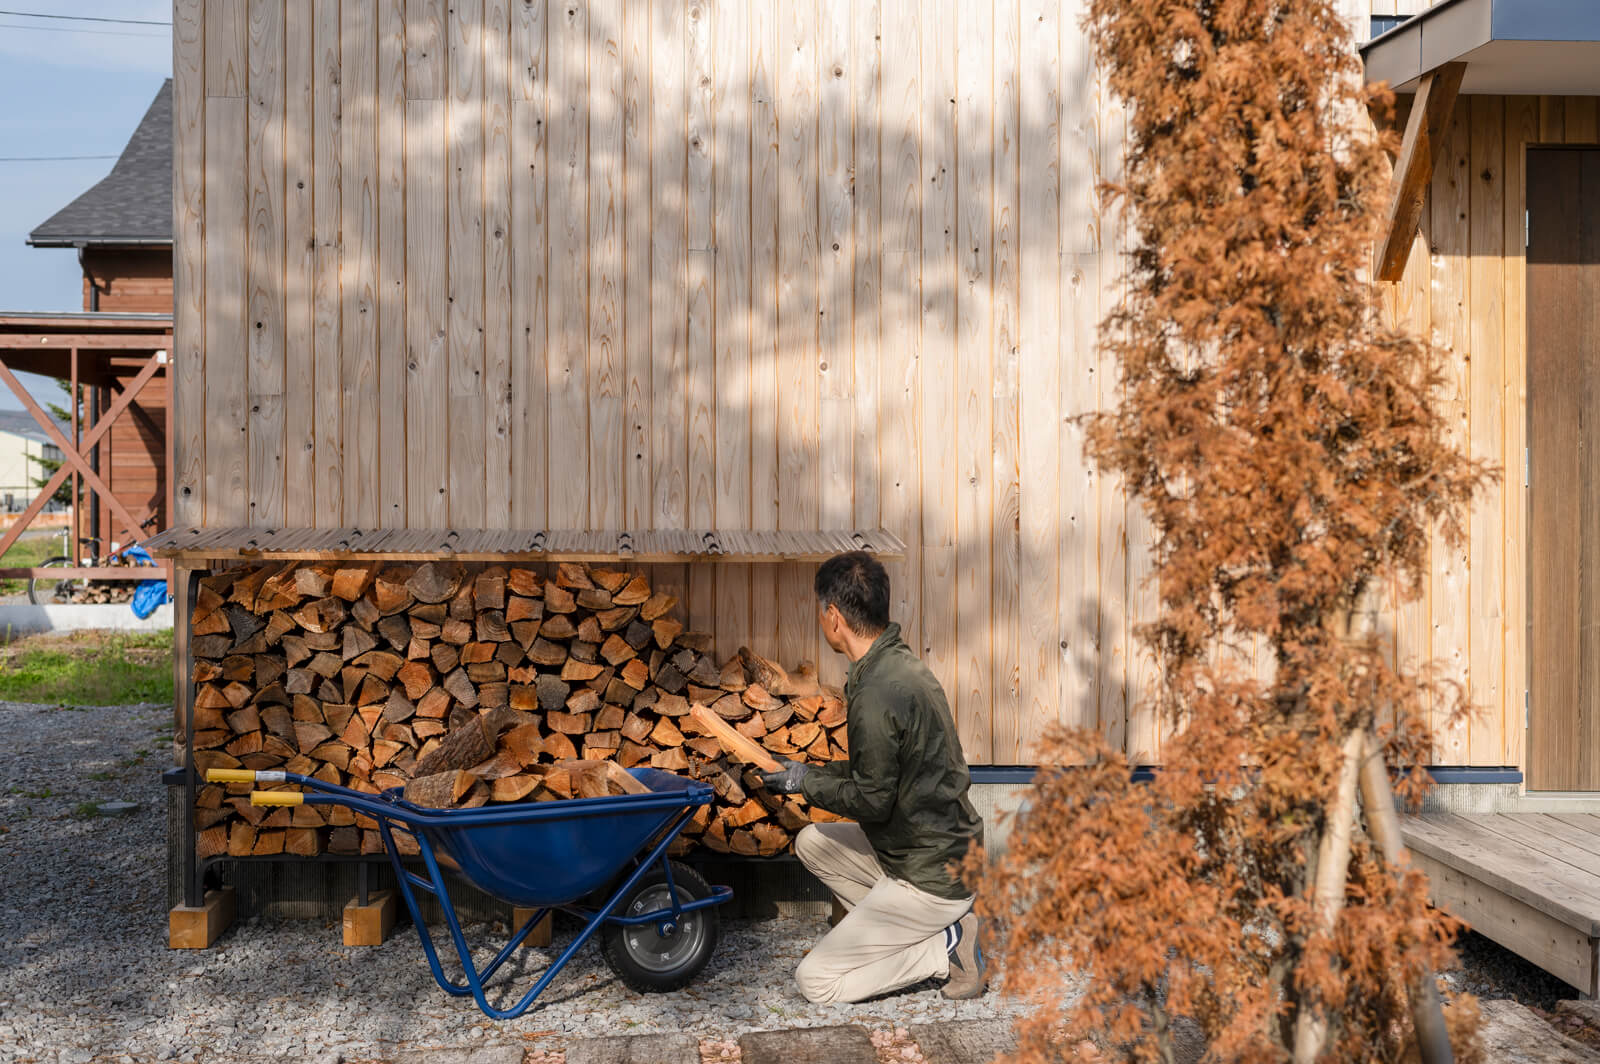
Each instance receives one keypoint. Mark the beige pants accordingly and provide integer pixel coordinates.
(893, 934)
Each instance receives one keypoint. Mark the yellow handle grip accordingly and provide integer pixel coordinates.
(230, 775)
(276, 798)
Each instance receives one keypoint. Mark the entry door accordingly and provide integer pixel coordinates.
(1563, 190)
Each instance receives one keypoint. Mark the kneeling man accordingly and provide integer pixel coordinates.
(905, 786)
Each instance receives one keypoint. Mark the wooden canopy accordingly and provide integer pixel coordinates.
(191, 546)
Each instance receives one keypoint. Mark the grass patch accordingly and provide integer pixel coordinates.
(88, 668)
(26, 554)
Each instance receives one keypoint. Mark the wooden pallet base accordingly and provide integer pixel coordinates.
(540, 935)
(370, 924)
(199, 926)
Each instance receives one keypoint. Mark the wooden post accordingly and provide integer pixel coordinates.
(369, 924)
(77, 440)
(198, 926)
(540, 935)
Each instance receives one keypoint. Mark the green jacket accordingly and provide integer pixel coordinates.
(905, 781)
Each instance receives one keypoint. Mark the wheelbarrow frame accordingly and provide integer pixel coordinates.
(392, 812)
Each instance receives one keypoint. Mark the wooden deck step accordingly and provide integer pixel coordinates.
(1529, 881)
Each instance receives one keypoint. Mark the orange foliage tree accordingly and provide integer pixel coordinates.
(1280, 437)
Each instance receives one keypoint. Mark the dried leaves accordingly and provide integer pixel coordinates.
(1281, 439)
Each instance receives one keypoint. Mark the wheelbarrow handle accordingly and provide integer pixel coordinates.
(277, 798)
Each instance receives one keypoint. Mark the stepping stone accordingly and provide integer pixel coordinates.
(849, 1044)
(1513, 1034)
(963, 1041)
(500, 1054)
(675, 1048)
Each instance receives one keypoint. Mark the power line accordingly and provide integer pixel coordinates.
(49, 158)
(87, 18)
(73, 29)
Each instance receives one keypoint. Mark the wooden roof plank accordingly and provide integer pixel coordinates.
(670, 545)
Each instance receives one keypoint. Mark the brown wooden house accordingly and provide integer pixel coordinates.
(121, 228)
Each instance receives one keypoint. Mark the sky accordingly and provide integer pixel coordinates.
(66, 88)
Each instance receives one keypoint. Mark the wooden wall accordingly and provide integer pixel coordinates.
(699, 263)
(133, 456)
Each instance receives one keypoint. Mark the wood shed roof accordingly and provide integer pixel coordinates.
(417, 544)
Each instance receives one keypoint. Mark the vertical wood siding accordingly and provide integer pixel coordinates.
(773, 265)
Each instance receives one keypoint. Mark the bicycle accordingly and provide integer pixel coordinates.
(55, 591)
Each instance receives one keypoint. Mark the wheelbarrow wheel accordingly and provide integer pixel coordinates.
(649, 961)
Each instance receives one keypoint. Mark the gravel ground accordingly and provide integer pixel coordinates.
(85, 973)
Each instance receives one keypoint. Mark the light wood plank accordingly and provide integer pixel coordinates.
(530, 469)
(1078, 603)
(637, 126)
(299, 227)
(1578, 852)
(1448, 603)
(464, 148)
(798, 265)
(428, 371)
(566, 355)
(189, 260)
(426, 50)
(1041, 356)
(733, 322)
(358, 234)
(1521, 127)
(1005, 683)
(974, 378)
(226, 226)
(607, 372)
(1508, 865)
(225, 54)
(1110, 503)
(700, 268)
(764, 409)
(936, 441)
(1413, 636)
(899, 388)
(265, 356)
(391, 290)
(498, 297)
(1486, 561)
(836, 255)
(866, 89)
(669, 368)
(1561, 950)
(328, 457)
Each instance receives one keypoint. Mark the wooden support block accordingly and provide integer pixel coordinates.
(370, 924)
(197, 927)
(540, 935)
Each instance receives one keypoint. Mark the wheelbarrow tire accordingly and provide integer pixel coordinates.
(645, 960)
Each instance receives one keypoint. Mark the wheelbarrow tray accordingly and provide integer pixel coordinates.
(537, 854)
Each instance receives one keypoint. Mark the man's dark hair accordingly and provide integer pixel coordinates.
(857, 583)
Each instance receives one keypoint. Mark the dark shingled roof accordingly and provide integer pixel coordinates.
(133, 203)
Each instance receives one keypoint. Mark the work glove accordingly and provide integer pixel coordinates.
(786, 780)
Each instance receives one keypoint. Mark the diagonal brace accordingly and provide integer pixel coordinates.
(72, 457)
(1413, 170)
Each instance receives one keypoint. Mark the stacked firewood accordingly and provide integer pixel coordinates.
(472, 684)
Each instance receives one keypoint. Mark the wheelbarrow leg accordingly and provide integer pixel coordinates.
(474, 978)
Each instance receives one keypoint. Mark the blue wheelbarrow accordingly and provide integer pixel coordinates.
(658, 926)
